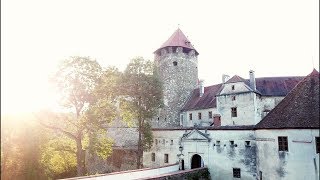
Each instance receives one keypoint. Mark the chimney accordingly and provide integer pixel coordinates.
(201, 88)
(225, 78)
(252, 80)
(217, 120)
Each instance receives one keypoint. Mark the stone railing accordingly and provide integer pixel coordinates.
(133, 174)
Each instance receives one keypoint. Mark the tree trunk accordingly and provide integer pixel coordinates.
(139, 146)
(80, 159)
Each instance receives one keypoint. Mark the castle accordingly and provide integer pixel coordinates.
(255, 128)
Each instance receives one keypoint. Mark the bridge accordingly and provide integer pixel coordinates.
(160, 173)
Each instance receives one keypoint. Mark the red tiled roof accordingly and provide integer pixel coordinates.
(276, 86)
(178, 39)
(236, 78)
(267, 86)
(208, 99)
(299, 109)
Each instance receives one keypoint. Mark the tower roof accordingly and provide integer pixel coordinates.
(178, 39)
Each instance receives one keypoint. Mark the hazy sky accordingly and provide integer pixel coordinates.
(272, 37)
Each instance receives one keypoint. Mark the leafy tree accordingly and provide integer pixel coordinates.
(20, 147)
(141, 98)
(76, 80)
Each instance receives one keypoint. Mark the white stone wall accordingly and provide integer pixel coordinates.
(220, 159)
(301, 160)
(266, 103)
(245, 109)
(238, 87)
(205, 120)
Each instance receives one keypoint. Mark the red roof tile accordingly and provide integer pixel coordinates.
(236, 78)
(178, 39)
(208, 99)
(299, 109)
(267, 86)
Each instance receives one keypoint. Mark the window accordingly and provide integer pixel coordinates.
(247, 143)
(210, 114)
(190, 116)
(175, 63)
(232, 87)
(171, 142)
(199, 116)
(218, 143)
(163, 141)
(233, 98)
(231, 143)
(260, 174)
(166, 158)
(234, 112)
(283, 143)
(153, 157)
(236, 173)
(317, 144)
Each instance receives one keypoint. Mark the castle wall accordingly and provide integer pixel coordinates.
(205, 120)
(178, 71)
(299, 162)
(220, 159)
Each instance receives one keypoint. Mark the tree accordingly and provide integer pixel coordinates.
(141, 98)
(20, 147)
(75, 80)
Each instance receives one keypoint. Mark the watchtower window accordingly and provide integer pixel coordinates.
(153, 157)
(175, 63)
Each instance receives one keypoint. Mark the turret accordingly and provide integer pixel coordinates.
(177, 66)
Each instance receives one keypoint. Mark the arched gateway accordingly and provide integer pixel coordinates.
(196, 161)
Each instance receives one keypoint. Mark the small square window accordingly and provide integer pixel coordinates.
(231, 143)
(190, 116)
(218, 143)
(234, 112)
(166, 158)
(199, 116)
(210, 114)
(232, 87)
(247, 143)
(283, 143)
(153, 157)
(233, 98)
(171, 142)
(236, 172)
(317, 144)
(175, 63)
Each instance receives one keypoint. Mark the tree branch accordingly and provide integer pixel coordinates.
(69, 134)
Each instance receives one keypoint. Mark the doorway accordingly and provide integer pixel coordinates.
(196, 161)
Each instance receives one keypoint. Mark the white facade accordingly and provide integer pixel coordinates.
(300, 161)
(215, 150)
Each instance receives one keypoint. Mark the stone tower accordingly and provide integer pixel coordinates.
(177, 66)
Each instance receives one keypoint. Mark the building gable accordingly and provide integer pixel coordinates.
(195, 135)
